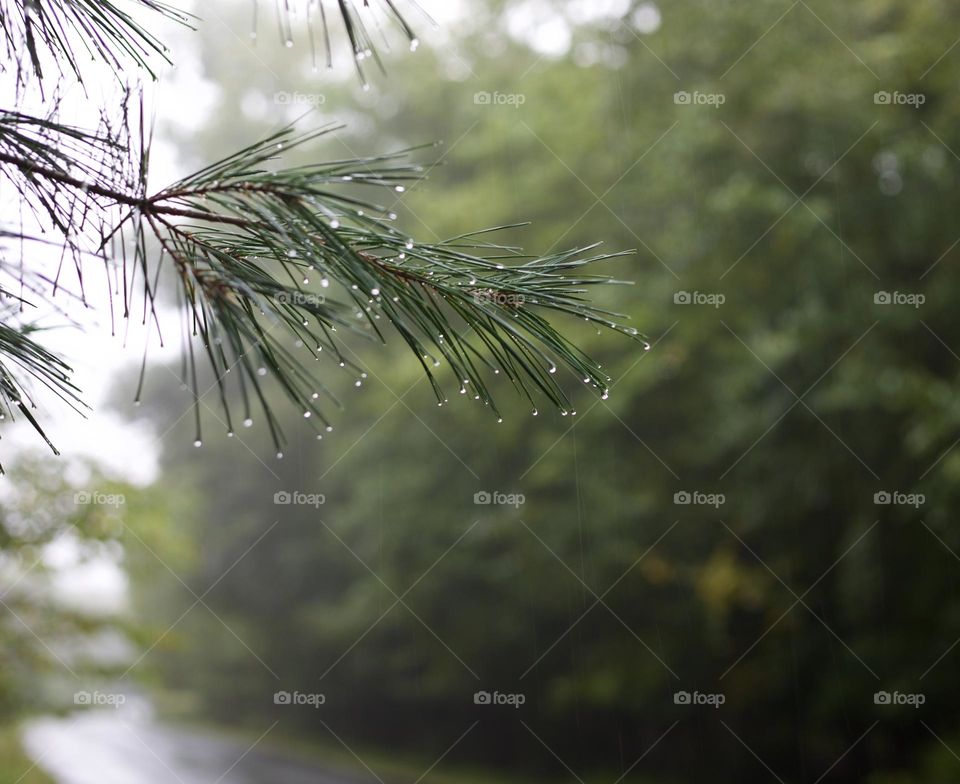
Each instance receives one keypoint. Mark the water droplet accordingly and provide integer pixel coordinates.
(248, 422)
(552, 369)
(375, 292)
(329, 428)
(229, 434)
(261, 371)
(324, 283)
(605, 395)
(414, 43)
(409, 244)
(279, 455)
(334, 224)
(198, 443)
(399, 189)
(358, 383)
(289, 43)
(499, 420)
(535, 412)
(306, 414)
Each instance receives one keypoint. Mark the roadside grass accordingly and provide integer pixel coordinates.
(15, 766)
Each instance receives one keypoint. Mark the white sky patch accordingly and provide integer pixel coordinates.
(646, 19)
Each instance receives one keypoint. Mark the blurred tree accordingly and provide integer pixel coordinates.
(802, 198)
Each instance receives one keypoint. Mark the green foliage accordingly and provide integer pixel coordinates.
(15, 766)
(709, 199)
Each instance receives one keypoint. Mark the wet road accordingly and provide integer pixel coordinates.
(126, 747)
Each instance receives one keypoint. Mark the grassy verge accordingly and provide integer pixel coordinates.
(15, 766)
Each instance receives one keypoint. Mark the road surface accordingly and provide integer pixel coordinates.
(127, 746)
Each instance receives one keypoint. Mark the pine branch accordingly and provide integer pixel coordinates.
(272, 265)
